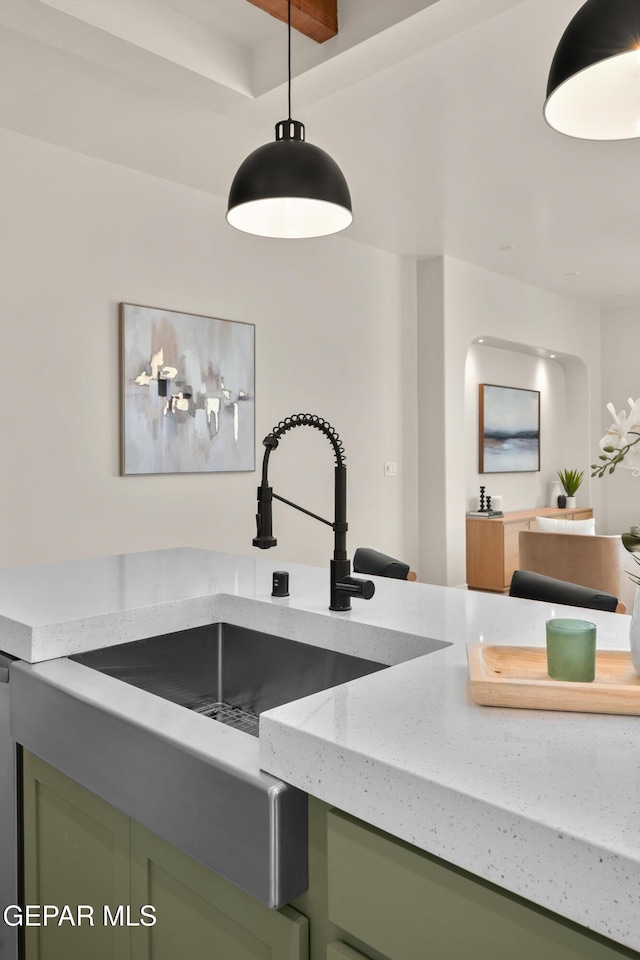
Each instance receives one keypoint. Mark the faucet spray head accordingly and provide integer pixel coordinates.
(264, 538)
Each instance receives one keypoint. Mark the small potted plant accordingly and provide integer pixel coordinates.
(570, 480)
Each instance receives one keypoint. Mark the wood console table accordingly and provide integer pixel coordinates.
(492, 545)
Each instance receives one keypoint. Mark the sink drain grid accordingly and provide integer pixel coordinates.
(232, 716)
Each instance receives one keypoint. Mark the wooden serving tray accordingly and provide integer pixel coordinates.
(505, 676)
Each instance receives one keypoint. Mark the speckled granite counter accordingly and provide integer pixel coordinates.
(546, 805)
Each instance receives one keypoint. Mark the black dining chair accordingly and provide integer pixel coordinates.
(536, 586)
(376, 564)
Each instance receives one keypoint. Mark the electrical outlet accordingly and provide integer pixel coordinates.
(390, 468)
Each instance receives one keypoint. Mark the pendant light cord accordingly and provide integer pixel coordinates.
(289, 44)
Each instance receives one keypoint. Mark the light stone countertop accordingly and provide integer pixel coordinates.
(545, 804)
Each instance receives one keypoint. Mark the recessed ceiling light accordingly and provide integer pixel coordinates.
(552, 356)
(480, 340)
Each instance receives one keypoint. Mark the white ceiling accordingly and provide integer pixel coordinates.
(433, 109)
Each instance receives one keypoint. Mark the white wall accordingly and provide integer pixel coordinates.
(457, 303)
(620, 380)
(335, 335)
(519, 491)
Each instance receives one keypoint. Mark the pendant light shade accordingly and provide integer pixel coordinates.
(594, 83)
(289, 189)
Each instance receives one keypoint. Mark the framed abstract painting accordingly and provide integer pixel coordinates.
(509, 430)
(187, 392)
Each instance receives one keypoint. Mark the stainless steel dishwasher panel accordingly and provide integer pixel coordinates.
(8, 819)
(192, 781)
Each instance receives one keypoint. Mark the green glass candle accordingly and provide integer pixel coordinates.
(571, 650)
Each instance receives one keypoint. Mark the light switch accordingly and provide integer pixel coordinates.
(390, 468)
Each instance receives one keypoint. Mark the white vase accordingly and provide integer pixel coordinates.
(634, 632)
(571, 502)
(555, 489)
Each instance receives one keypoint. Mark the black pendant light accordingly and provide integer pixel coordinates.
(289, 188)
(594, 83)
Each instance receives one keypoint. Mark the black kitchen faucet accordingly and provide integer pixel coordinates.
(343, 585)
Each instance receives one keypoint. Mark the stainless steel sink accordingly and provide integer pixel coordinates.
(229, 673)
(115, 721)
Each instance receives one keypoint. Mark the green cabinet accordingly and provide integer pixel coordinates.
(411, 906)
(79, 850)
(199, 915)
(370, 896)
(76, 852)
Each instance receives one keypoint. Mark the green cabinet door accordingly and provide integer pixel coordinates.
(79, 850)
(412, 906)
(199, 915)
(76, 852)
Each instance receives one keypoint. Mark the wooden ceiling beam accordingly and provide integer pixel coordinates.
(317, 19)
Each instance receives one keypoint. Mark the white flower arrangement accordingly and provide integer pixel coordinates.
(619, 445)
(620, 449)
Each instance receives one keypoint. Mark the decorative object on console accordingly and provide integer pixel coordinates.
(484, 507)
(555, 491)
(187, 392)
(289, 188)
(571, 480)
(509, 429)
(592, 88)
(562, 501)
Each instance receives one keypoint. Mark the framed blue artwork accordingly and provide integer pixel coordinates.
(509, 430)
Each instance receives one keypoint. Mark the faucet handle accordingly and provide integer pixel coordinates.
(356, 587)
